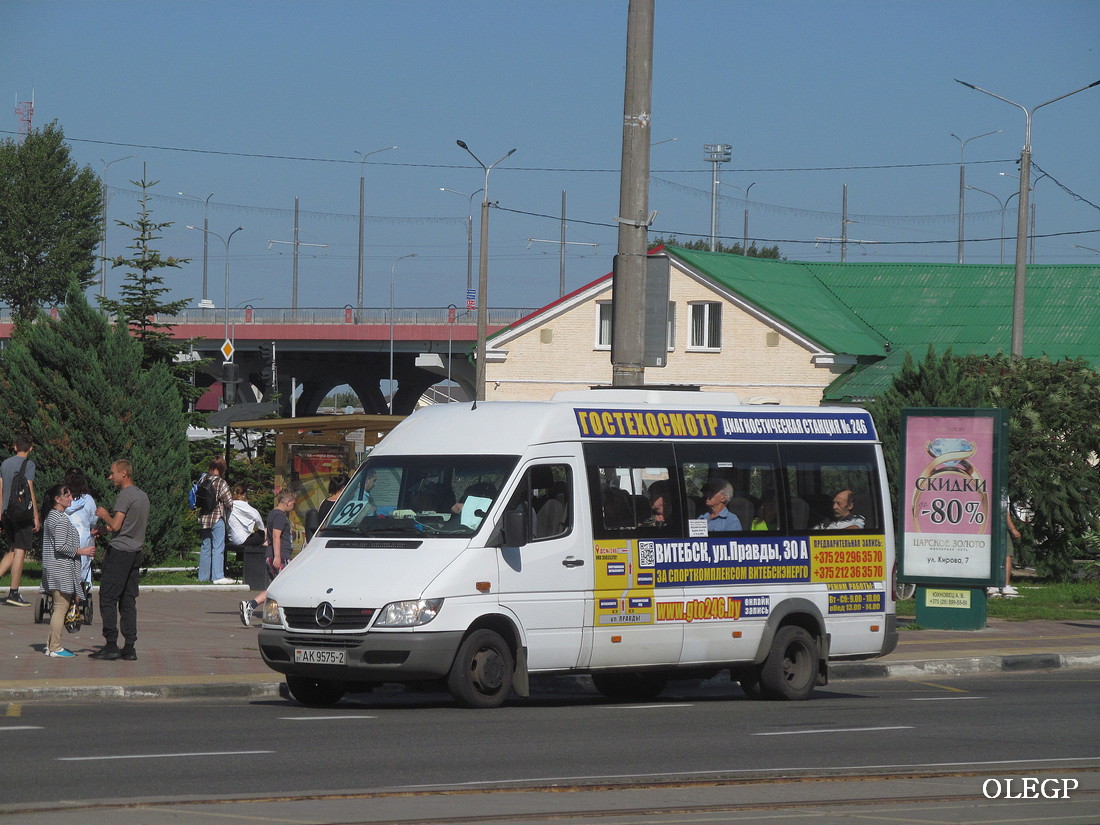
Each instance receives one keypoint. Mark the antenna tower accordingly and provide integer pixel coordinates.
(24, 110)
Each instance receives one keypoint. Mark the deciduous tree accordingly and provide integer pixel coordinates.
(1054, 439)
(49, 222)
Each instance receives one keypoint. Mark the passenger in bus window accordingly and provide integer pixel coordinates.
(718, 493)
(766, 517)
(844, 515)
(660, 502)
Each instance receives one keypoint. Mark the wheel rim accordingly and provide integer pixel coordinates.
(487, 670)
(795, 668)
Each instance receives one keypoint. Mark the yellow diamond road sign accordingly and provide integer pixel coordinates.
(227, 349)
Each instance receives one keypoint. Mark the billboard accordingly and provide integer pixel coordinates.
(951, 496)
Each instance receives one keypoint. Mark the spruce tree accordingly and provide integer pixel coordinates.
(143, 298)
(78, 386)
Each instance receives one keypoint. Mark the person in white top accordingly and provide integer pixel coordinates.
(82, 514)
(246, 525)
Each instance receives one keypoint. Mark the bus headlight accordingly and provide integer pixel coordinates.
(408, 614)
(271, 612)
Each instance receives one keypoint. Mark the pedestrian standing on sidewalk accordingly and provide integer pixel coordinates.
(19, 529)
(81, 513)
(118, 585)
(213, 522)
(62, 551)
(280, 546)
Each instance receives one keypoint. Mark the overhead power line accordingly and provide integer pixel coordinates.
(691, 171)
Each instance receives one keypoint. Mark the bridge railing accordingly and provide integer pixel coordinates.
(498, 316)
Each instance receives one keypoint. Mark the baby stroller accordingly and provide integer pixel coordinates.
(80, 613)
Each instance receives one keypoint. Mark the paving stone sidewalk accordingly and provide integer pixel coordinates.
(191, 643)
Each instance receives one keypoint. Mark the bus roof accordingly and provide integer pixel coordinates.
(509, 427)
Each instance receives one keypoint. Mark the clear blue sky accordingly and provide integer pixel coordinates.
(260, 102)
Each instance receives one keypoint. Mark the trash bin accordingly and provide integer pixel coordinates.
(255, 566)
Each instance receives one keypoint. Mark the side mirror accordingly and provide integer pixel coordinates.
(515, 528)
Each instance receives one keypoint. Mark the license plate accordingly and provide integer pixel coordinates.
(312, 656)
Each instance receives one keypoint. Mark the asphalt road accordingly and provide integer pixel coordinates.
(418, 757)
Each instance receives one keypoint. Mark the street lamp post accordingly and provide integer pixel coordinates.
(746, 190)
(482, 275)
(1032, 200)
(962, 180)
(469, 233)
(229, 372)
(206, 235)
(1003, 206)
(1020, 287)
(362, 198)
(103, 248)
(392, 268)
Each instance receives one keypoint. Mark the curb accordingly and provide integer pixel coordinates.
(580, 683)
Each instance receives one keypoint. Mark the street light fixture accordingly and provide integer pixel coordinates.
(1003, 206)
(225, 241)
(483, 275)
(746, 190)
(103, 248)
(362, 197)
(1020, 287)
(392, 268)
(469, 233)
(206, 237)
(1032, 200)
(962, 180)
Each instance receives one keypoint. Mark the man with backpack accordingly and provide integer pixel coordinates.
(20, 514)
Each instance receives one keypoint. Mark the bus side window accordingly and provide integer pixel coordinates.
(544, 498)
(817, 475)
(751, 470)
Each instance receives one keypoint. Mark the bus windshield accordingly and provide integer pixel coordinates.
(418, 495)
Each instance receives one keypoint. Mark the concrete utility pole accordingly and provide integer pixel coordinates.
(1020, 287)
(716, 155)
(562, 243)
(628, 309)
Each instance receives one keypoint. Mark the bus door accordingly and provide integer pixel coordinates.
(637, 516)
(546, 581)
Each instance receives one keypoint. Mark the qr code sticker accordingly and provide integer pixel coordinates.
(646, 554)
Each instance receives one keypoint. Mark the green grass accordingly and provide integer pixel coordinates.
(32, 572)
(1055, 602)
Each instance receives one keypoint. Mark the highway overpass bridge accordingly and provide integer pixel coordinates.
(322, 348)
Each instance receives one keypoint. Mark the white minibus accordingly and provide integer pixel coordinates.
(635, 535)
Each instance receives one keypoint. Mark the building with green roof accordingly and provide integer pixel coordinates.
(804, 332)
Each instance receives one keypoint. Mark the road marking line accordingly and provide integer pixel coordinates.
(942, 698)
(158, 755)
(943, 687)
(832, 730)
(4, 728)
(647, 707)
(321, 718)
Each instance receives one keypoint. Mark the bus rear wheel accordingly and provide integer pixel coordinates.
(790, 671)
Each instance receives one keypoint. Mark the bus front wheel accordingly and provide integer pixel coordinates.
(481, 676)
(790, 671)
